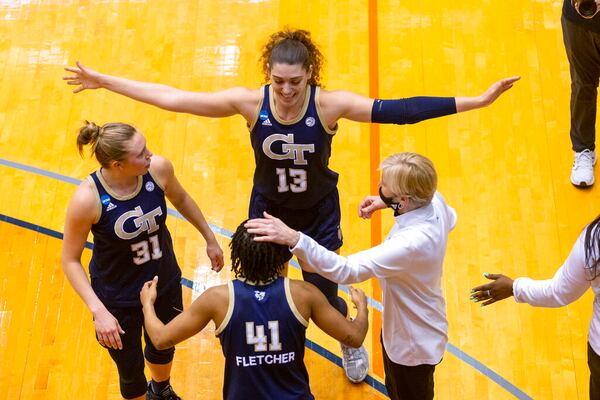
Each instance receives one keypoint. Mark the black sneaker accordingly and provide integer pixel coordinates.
(167, 394)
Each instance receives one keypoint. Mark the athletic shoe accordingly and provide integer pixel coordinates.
(167, 394)
(582, 174)
(355, 362)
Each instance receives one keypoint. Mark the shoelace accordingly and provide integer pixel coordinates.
(585, 159)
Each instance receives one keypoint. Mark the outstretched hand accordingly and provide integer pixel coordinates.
(85, 77)
(494, 91)
(271, 229)
(500, 288)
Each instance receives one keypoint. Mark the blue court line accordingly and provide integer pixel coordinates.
(519, 394)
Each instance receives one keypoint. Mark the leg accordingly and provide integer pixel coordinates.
(167, 307)
(594, 364)
(581, 47)
(408, 382)
(130, 360)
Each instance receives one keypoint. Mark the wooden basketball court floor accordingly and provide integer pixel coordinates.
(505, 169)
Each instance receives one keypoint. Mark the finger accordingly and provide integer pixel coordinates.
(73, 69)
(492, 276)
(73, 82)
(116, 341)
(121, 331)
(79, 89)
(80, 65)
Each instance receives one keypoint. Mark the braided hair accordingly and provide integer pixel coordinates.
(256, 261)
(592, 248)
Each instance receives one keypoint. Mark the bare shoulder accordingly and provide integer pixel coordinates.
(247, 100)
(84, 203)
(161, 168)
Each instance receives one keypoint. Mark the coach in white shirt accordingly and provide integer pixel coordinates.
(408, 265)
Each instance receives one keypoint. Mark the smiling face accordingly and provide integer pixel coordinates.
(289, 84)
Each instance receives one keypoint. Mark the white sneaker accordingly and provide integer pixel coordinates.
(582, 174)
(355, 362)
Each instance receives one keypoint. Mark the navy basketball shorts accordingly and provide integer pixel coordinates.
(130, 360)
(321, 222)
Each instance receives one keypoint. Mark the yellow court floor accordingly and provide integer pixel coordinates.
(505, 169)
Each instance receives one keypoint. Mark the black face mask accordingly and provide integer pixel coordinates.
(389, 201)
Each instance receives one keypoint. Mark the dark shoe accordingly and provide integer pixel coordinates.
(167, 394)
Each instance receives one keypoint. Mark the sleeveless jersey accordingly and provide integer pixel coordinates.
(262, 337)
(131, 243)
(292, 157)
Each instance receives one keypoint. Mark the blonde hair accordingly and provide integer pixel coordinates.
(293, 47)
(410, 174)
(108, 142)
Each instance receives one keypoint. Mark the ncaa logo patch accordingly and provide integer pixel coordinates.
(310, 121)
(105, 199)
(263, 115)
(149, 186)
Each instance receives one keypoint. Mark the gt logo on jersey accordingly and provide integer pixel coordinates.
(144, 222)
(290, 150)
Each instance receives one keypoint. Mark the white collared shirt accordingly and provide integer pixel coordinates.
(568, 284)
(408, 265)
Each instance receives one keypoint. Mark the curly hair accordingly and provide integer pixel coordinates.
(293, 47)
(256, 261)
(592, 249)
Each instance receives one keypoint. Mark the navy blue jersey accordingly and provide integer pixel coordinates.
(262, 338)
(292, 157)
(131, 243)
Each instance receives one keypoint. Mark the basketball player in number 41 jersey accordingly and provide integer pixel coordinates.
(260, 319)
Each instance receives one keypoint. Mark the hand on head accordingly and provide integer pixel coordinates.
(271, 229)
(500, 288)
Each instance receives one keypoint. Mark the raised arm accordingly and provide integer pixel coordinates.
(207, 104)
(342, 104)
(81, 213)
(186, 205)
(211, 305)
(328, 319)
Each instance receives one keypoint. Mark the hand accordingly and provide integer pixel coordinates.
(85, 77)
(108, 330)
(496, 90)
(358, 297)
(215, 254)
(148, 293)
(499, 289)
(369, 205)
(271, 229)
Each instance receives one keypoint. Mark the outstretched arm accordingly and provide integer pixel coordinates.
(217, 104)
(568, 284)
(185, 325)
(186, 205)
(344, 104)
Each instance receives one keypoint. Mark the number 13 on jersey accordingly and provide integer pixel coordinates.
(297, 180)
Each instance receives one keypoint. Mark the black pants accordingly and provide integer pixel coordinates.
(583, 51)
(407, 383)
(594, 364)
